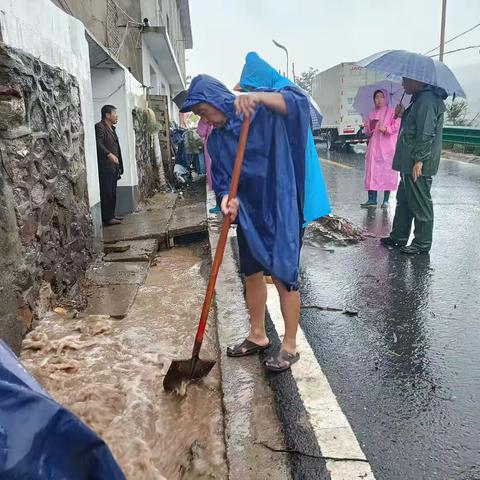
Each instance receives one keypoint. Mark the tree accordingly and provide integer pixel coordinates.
(306, 78)
(457, 113)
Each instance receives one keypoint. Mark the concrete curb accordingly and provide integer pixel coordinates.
(460, 157)
(249, 407)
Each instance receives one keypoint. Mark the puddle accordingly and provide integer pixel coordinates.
(109, 372)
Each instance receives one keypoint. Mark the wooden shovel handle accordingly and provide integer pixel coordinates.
(222, 241)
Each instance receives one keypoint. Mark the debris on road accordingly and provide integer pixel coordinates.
(349, 313)
(337, 230)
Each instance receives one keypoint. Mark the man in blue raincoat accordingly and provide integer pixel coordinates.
(270, 199)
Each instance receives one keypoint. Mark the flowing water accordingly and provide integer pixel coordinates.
(109, 372)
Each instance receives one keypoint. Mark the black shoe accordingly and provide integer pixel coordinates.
(413, 250)
(391, 242)
(369, 204)
(113, 221)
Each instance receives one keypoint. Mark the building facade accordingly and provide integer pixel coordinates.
(148, 37)
(61, 61)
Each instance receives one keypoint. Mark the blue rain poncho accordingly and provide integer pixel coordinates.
(271, 189)
(258, 74)
(41, 440)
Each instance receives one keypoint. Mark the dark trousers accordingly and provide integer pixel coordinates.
(414, 203)
(108, 194)
(372, 196)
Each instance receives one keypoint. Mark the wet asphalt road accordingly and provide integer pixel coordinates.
(406, 370)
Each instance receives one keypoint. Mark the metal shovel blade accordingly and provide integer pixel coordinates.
(184, 371)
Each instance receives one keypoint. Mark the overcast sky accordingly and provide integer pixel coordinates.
(322, 33)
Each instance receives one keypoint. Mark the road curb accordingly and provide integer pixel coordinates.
(249, 408)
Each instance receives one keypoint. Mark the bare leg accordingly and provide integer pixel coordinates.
(290, 305)
(256, 300)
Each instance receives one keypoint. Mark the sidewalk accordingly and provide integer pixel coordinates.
(460, 157)
(251, 420)
(107, 364)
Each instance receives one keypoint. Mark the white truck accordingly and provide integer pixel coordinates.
(334, 90)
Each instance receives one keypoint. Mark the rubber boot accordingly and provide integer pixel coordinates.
(386, 198)
(372, 200)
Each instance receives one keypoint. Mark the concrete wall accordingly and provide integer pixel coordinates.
(158, 84)
(61, 43)
(118, 87)
(171, 19)
(93, 14)
(135, 98)
(165, 13)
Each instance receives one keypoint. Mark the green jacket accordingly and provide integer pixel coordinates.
(420, 138)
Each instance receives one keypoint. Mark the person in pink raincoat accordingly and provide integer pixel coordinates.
(382, 128)
(204, 130)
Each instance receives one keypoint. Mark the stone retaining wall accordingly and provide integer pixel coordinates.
(46, 234)
(148, 174)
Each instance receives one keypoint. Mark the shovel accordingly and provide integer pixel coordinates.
(185, 371)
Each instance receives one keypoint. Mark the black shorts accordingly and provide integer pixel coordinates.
(248, 264)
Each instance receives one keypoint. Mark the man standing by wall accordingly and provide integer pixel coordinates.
(110, 164)
(417, 158)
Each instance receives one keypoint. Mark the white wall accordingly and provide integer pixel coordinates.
(170, 8)
(148, 62)
(135, 98)
(105, 88)
(41, 29)
(119, 88)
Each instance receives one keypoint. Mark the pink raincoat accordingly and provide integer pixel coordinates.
(204, 130)
(381, 148)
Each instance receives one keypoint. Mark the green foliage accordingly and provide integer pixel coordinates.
(457, 113)
(306, 78)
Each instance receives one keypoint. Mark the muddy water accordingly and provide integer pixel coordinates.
(109, 372)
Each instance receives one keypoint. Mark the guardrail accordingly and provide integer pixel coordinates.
(465, 136)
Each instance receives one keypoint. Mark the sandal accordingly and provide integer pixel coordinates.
(281, 361)
(246, 348)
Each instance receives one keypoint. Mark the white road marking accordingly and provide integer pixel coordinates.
(334, 434)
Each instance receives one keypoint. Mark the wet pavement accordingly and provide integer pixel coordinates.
(254, 438)
(109, 372)
(406, 370)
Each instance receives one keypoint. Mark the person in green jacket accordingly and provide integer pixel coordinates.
(417, 158)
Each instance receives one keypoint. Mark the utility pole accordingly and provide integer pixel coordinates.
(442, 29)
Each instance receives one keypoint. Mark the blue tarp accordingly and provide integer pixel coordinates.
(257, 73)
(271, 189)
(41, 440)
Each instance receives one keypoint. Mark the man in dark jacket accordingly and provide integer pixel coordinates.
(110, 164)
(417, 158)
